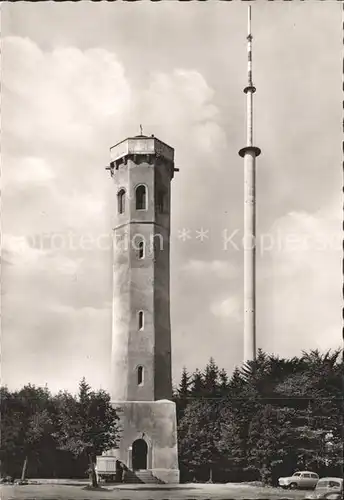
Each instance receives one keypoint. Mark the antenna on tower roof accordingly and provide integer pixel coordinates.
(141, 133)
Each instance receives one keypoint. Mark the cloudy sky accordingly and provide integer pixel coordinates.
(76, 79)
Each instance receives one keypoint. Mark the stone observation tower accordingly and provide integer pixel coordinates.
(141, 170)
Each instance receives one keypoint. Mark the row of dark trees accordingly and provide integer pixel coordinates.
(269, 418)
(55, 436)
(272, 417)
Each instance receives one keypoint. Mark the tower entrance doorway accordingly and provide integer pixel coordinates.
(139, 456)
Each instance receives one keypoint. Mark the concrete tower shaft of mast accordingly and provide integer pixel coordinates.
(249, 153)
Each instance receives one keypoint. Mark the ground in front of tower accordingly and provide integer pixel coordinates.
(77, 491)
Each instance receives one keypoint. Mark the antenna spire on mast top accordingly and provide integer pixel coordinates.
(249, 48)
(249, 20)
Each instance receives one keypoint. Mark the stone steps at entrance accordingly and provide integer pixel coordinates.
(141, 476)
(130, 477)
(147, 477)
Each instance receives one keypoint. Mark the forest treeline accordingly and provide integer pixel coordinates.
(269, 418)
(46, 436)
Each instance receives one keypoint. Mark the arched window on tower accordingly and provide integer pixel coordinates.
(140, 320)
(141, 250)
(140, 375)
(141, 197)
(121, 201)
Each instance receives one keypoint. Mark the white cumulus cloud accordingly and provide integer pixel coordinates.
(226, 308)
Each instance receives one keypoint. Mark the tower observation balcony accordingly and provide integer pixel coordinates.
(141, 145)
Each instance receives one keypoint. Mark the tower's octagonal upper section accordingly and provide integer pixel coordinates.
(139, 145)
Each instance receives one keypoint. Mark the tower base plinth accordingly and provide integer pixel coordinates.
(148, 438)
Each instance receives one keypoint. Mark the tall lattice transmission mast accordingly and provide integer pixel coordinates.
(249, 153)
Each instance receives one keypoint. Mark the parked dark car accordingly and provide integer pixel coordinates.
(328, 488)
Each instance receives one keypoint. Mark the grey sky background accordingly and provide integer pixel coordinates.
(76, 79)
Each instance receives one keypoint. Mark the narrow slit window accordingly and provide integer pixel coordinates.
(141, 197)
(161, 201)
(121, 201)
(140, 320)
(140, 375)
(141, 250)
